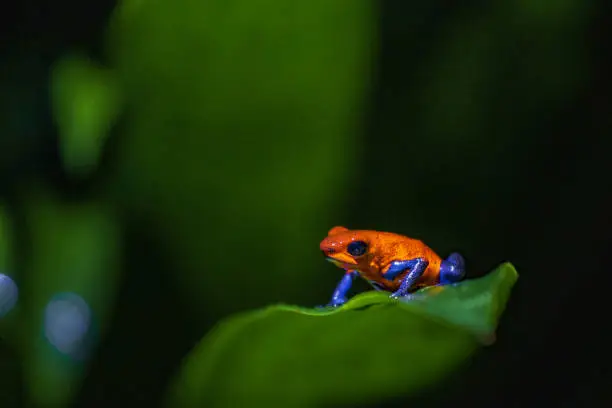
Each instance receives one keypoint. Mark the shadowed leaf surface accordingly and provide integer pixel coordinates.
(373, 346)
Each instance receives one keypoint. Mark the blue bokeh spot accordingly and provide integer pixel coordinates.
(67, 322)
(8, 294)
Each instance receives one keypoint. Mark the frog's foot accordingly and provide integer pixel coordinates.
(332, 304)
(452, 269)
(337, 302)
(404, 298)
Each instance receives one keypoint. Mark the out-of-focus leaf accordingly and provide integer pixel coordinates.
(242, 132)
(86, 102)
(9, 292)
(72, 270)
(371, 347)
(6, 240)
(10, 376)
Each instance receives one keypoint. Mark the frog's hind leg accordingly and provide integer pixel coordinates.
(452, 269)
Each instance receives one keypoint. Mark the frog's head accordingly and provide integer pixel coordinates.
(345, 248)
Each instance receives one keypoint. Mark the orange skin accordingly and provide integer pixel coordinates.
(383, 248)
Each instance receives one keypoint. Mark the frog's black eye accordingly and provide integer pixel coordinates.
(357, 248)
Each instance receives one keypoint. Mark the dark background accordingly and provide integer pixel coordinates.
(485, 129)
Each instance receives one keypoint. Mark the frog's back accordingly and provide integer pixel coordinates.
(392, 247)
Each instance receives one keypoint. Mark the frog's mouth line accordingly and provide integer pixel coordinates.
(338, 263)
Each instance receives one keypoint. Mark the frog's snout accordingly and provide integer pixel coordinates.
(328, 248)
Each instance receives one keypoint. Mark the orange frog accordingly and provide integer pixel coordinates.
(389, 262)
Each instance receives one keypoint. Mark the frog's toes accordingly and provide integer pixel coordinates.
(398, 296)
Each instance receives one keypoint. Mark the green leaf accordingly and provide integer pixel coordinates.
(372, 347)
(6, 240)
(86, 103)
(235, 109)
(73, 248)
(9, 310)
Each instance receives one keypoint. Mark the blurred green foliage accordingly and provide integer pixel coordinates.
(8, 322)
(240, 142)
(231, 149)
(10, 373)
(6, 241)
(74, 248)
(243, 128)
(86, 103)
(368, 350)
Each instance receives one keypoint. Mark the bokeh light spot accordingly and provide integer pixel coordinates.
(8, 294)
(67, 322)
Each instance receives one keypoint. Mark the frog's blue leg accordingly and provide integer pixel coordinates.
(398, 267)
(416, 266)
(339, 296)
(452, 269)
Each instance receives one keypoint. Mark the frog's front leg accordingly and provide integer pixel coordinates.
(417, 267)
(339, 296)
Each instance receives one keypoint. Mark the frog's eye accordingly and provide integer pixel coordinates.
(357, 248)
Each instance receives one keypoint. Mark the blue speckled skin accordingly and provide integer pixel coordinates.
(416, 266)
(339, 296)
